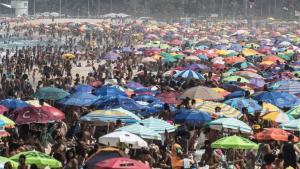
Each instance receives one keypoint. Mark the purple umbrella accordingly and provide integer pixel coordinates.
(257, 82)
(111, 56)
(134, 85)
(196, 66)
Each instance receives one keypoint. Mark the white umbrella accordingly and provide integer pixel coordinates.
(114, 138)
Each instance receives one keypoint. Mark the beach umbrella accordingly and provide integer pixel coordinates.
(83, 88)
(192, 58)
(4, 160)
(146, 98)
(117, 137)
(192, 117)
(50, 93)
(68, 56)
(117, 102)
(120, 163)
(249, 74)
(111, 56)
(273, 134)
(189, 74)
(158, 125)
(226, 110)
(142, 131)
(239, 103)
(234, 142)
(102, 117)
(79, 99)
(13, 103)
(221, 91)
(103, 154)
(288, 86)
(8, 123)
(295, 112)
(134, 85)
(169, 97)
(109, 91)
(243, 65)
(148, 60)
(36, 103)
(3, 109)
(235, 79)
(278, 117)
(201, 92)
(196, 66)
(126, 50)
(28, 115)
(292, 125)
(278, 99)
(230, 125)
(56, 113)
(40, 159)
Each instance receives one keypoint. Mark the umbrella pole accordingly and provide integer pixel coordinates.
(107, 128)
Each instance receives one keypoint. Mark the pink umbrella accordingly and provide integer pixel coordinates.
(120, 163)
(58, 115)
(169, 97)
(28, 115)
(3, 109)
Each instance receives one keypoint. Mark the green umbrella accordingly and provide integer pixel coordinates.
(40, 159)
(235, 78)
(50, 93)
(234, 142)
(158, 125)
(286, 56)
(3, 160)
(294, 112)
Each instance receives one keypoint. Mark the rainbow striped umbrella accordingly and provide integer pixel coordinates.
(111, 115)
(226, 110)
(278, 117)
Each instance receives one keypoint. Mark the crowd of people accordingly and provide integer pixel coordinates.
(153, 54)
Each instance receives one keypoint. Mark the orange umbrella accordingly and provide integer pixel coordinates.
(273, 58)
(274, 134)
(234, 59)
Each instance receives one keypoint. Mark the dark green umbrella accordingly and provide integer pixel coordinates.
(50, 93)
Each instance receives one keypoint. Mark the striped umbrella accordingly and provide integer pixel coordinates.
(230, 124)
(158, 125)
(189, 74)
(278, 117)
(226, 110)
(295, 112)
(293, 125)
(112, 115)
(201, 92)
(142, 131)
(288, 86)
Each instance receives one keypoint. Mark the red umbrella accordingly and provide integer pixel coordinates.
(274, 134)
(3, 109)
(120, 163)
(29, 115)
(169, 97)
(58, 115)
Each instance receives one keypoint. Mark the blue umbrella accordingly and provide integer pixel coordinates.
(278, 99)
(79, 99)
(13, 103)
(193, 117)
(235, 94)
(240, 103)
(145, 98)
(109, 91)
(117, 102)
(126, 50)
(289, 86)
(189, 74)
(83, 88)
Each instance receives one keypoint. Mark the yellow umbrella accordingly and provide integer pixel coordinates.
(68, 56)
(268, 107)
(36, 103)
(226, 110)
(278, 117)
(157, 57)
